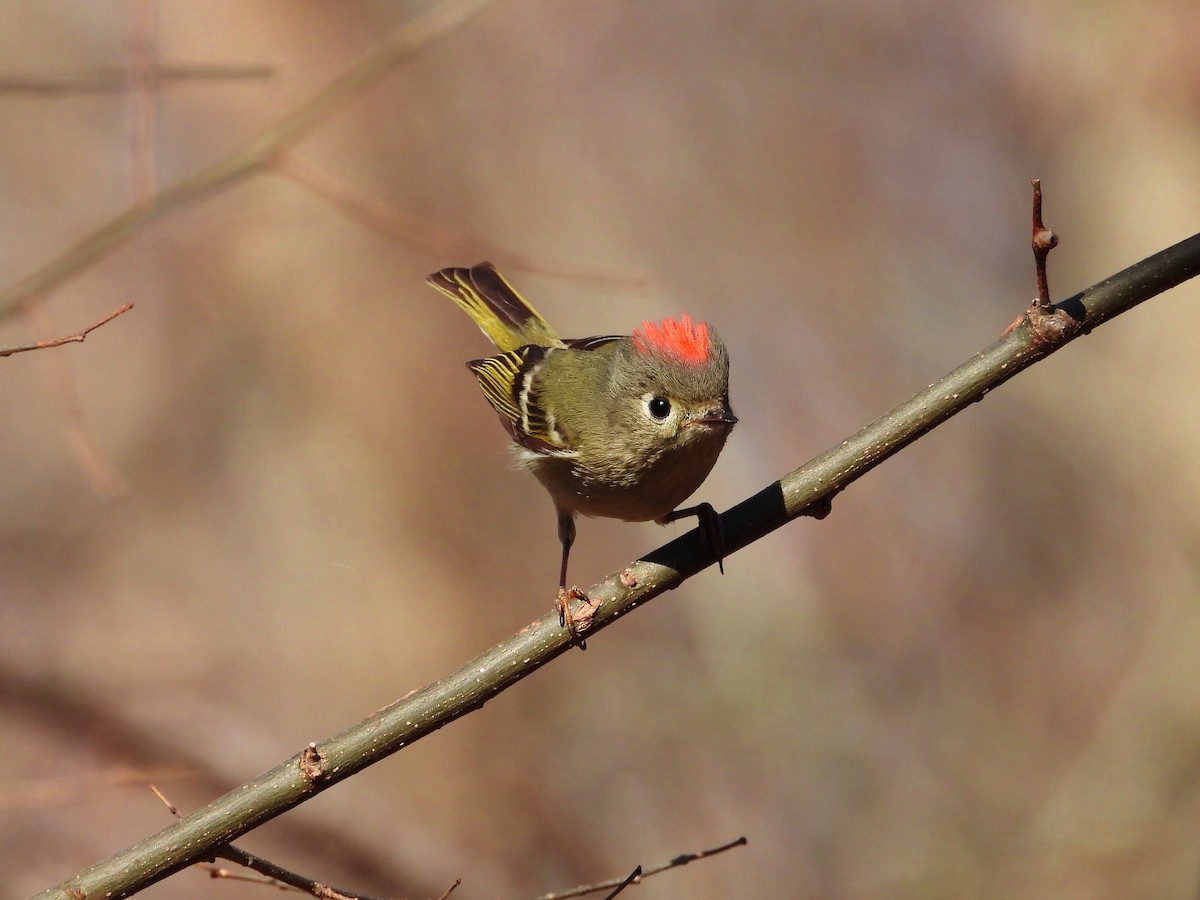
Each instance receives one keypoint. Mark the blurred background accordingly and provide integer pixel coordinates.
(270, 499)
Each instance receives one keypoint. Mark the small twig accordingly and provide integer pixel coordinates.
(69, 339)
(112, 80)
(639, 874)
(692, 857)
(406, 41)
(65, 790)
(144, 83)
(100, 473)
(280, 875)
(1048, 324)
(171, 807)
(632, 878)
(1044, 240)
(215, 871)
(436, 240)
(275, 875)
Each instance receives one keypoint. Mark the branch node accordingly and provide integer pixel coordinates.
(1049, 326)
(312, 764)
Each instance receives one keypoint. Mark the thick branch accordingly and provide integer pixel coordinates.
(806, 491)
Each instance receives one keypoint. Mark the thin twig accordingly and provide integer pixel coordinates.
(638, 875)
(70, 789)
(77, 337)
(275, 875)
(634, 877)
(102, 476)
(403, 43)
(1044, 240)
(114, 80)
(615, 885)
(142, 73)
(436, 240)
(692, 857)
(171, 807)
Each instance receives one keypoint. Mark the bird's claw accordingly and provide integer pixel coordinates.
(578, 621)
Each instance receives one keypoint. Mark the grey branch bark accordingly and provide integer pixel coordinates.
(808, 490)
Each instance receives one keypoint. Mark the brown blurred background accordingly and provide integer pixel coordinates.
(978, 677)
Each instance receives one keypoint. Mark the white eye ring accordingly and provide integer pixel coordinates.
(659, 407)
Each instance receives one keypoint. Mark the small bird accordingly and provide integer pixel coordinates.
(625, 427)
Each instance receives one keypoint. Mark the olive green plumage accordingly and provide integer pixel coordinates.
(622, 427)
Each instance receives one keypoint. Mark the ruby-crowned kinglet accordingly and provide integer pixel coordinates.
(623, 427)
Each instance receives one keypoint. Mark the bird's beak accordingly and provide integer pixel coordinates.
(722, 416)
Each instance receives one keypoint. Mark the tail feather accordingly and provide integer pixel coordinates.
(500, 312)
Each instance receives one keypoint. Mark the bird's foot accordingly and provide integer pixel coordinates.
(579, 620)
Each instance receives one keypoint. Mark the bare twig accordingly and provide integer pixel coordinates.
(102, 476)
(692, 857)
(143, 74)
(638, 875)
(633, 877)
(403, 43)
(279, 874)
(436, 240)
(1044, 240)
(275, 875)
(808, 488)
(114, 80)
(77, 337)
(171, 807)
(69, 789)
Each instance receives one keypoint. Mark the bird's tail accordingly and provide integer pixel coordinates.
(499, 311)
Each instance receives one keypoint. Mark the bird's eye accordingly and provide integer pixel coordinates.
(659, 407)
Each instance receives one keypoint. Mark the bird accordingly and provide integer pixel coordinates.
(618, 426)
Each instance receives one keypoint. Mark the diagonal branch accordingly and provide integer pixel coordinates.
(76, 338)
(808, 490)
(402, 44)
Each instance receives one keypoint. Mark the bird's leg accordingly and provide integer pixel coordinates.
(710, 524)
(566, 536)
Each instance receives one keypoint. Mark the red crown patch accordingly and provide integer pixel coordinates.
(679, 338)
